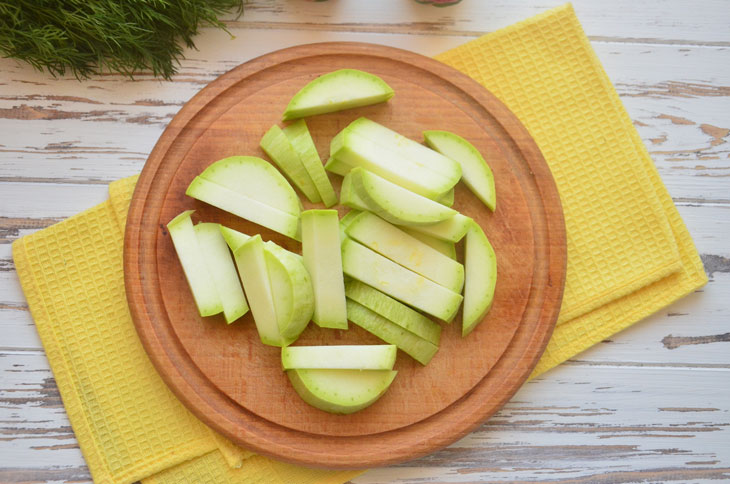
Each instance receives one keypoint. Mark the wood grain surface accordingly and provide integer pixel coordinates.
(211, 365)
(648, 405)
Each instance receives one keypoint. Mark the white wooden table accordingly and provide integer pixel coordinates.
(651, 404)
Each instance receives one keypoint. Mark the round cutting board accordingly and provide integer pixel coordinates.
(233, 382)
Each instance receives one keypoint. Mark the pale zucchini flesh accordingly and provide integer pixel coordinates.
(481, 278)
(358, 151)
(233, 238)
(350, 198)
(452, 229)
(252, 269)
(414, 346)
(255, 178)
(321, 252)
(373, 269)
(395, 203)
(279, 148)
(281, 251)
(303, 144)
(282, 292)
(291, 288)
(425, 157)
(394, 311)
(338, 167)
(341, 391)
(475, 171)
(218, 260)
(444, 246)
(447, 198)
(347, 219)
(339, 357)
(345, 222)
(196, 272)
(336, 91)
(244, 207)
(400, 247)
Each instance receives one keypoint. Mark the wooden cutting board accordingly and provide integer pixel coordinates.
(233, 382)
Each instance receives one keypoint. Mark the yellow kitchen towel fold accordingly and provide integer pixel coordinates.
(212, 469)
(120, 195)
(546, 72)
(128, 423)
(629, 254)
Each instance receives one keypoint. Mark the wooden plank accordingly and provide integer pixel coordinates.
(677, 95)
(691, 332)
(699, 315)
(78, 474)
(708, 224)
(588, 425)
(705, 23)
(576, 423)
(18, 330)
(680, 114)
(12, 296)
(51, 203)
(33, 423)
(24, 200)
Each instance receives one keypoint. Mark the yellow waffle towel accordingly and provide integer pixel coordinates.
(629, 254)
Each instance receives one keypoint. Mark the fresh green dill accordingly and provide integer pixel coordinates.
(86, 37)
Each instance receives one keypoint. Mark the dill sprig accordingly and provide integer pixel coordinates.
(86, 37)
